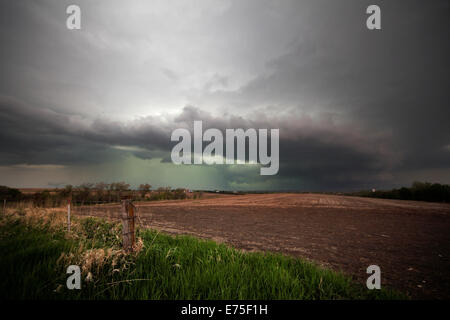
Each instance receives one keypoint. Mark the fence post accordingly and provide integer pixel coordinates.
(68, 215)
(127, 225)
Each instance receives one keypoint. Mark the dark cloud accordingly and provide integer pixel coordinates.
(316, 151)
(355, 108)
(42, 136)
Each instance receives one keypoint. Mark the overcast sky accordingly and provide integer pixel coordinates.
(356, 109)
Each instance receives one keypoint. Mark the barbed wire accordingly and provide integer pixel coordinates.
(112, 210)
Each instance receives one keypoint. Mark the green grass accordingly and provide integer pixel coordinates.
(168, 267)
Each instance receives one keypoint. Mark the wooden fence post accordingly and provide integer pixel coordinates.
(128, 225)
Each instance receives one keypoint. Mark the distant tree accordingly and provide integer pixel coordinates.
(65, 192)
(101, 186)
(179, 193)
(419, 191)
(144, 189)
(118, 189)
(101, 190)
(84, 191)
(10, 194)
(405, 194)
(43, 199)
(120, 186)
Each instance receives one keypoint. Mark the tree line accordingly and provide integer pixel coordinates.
(100, 192)
(419, 191)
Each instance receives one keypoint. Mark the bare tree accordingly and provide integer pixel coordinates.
(144, 189)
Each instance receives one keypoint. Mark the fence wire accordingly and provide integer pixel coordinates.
(112, 210)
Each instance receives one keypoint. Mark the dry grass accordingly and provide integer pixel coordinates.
(55, 218)
(91, 260)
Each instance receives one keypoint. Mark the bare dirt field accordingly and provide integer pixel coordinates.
(409, 240)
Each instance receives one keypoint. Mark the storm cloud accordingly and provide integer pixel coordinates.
(355, 108)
